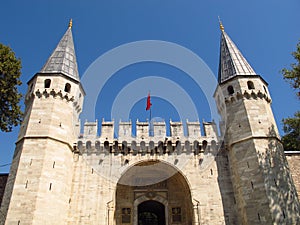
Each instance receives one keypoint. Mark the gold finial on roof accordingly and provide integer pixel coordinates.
(70, 23)
(221, 25)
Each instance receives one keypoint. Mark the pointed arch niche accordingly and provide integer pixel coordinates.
(158, 183)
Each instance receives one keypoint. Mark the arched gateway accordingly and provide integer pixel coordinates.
(126, 180)
(153, 192)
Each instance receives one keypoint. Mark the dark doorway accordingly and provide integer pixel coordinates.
(151, 213)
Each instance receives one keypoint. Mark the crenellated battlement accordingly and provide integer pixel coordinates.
(161, 147)
(149, 137)
(148, 130)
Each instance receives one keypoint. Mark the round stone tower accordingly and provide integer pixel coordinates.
(263, 188)
(42, 169)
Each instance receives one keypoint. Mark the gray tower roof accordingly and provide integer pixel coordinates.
(232, 62)
(63, 58)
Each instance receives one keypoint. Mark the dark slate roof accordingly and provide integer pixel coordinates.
(232, 62)
(63, 59)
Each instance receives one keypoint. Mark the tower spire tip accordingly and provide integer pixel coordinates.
(221, 25)
(70, 23)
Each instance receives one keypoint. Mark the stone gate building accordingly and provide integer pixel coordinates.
(61, 177)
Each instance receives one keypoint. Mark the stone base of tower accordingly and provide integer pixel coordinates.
(39, 183)
(262, 183)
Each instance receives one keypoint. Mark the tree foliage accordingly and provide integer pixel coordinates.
(293, 75)
(291, 126)
(10, 71)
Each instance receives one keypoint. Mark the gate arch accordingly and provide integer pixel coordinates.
(154, 180)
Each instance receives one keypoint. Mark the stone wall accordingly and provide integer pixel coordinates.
(293, 159)
(105, 185)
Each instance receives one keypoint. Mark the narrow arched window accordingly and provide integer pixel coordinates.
(47, 83)
(143, 145)
(178, 145)
(68, 87)
(265, 89)
(106, 146)
(151, 145)
(133, 146)
(97, 145)
(30, 88)
(230, 90)
(169, 146)
(160, 147)
(204, 144)
(124, 148)
(116, 146)
(250, 85)
(196, 147)
(88, 145)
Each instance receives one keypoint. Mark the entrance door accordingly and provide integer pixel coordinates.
(151, 213)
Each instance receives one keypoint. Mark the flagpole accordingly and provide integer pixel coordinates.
(148, 107)
(151, 133)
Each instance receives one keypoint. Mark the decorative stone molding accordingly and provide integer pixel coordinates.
(54, 93)
(247, 95)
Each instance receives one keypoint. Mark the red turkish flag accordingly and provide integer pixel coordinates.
(148, 102)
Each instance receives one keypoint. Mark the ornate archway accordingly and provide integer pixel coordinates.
(153, 191)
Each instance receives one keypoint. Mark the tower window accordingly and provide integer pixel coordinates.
(204, 145)
(143, 145)
(106, 145)
(30, 88)
(250, 85)
(97, 145)
(88, 145)
(47, 83)
(196, 147)
(265, 89)
(178, 145)
(230, 90)
(187, 146)
(169, 146)
(68, 87)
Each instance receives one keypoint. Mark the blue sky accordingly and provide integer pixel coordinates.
(266, 32)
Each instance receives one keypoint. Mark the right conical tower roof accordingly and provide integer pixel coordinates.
(232, 62)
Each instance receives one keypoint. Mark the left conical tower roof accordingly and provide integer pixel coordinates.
(63, 58)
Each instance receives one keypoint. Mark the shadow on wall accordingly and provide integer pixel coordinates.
(3, 180)
(282, 194)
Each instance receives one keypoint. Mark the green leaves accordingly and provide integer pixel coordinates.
(10, 71)
(293, 75)
(291, 126)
